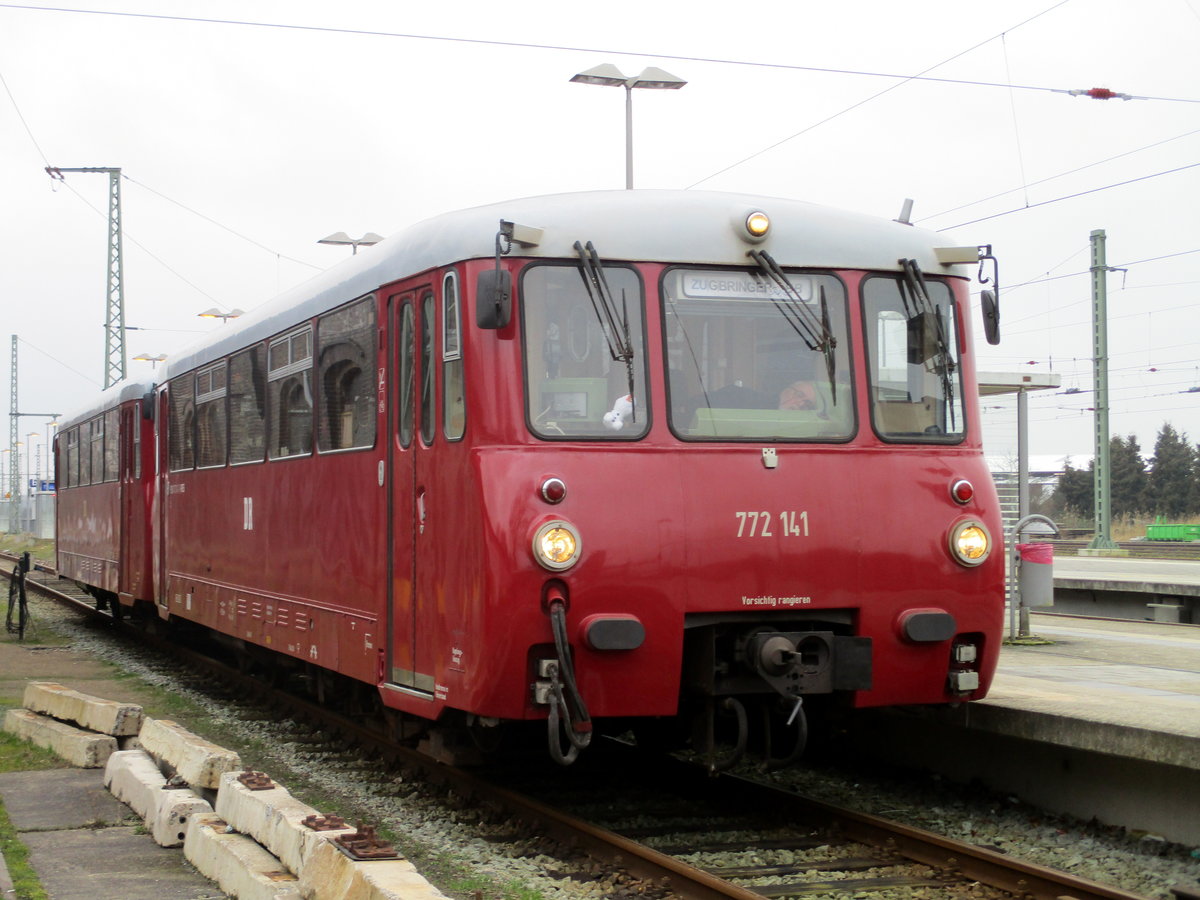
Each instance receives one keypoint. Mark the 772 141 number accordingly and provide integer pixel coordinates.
(758, 523)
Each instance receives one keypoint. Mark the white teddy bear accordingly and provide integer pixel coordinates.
(622, 412)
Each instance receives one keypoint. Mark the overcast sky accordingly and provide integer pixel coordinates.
(243, 144)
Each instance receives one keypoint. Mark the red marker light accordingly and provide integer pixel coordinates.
(962, 491)
(553, 490)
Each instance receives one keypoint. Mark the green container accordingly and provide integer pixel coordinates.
(1163, 532)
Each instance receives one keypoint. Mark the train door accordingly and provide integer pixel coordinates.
(161, 439)
(130, 515)
(409, 665)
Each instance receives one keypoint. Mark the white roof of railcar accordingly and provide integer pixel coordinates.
(697, 227)
(121, 392)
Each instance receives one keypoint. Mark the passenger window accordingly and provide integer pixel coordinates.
(85, 454)
(211, 436)
(454, 409)
(248, 406)
(347, 375)
(289, 393)
(71, 476)
(97, 450)
(136, 436)
(111, 433)
(181, 436)
(427, 424)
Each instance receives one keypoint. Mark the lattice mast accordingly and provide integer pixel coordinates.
(114, 319)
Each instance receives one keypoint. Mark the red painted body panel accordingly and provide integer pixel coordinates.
(298, 569)
(88, 524)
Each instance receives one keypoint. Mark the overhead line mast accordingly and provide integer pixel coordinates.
(114, 319)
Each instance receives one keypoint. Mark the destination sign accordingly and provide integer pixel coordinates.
(739, 286)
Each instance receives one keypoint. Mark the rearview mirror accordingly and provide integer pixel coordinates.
(493, 298)
(991, 316)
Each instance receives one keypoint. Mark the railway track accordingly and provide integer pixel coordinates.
(654, 827)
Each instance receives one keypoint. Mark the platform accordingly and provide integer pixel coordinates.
(1101, 720)
(84, 844)
(1142, 589)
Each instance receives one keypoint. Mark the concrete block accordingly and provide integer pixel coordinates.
(84, 749)
(169, 823)
(236, 862)
(331, 875)
(198, 762)
(92, 713)
(134, 778)
(273, 818)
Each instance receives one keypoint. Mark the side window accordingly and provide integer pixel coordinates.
(454, 410)
(70, 477)
(913, 361)
(136, 430)
(346, 367)
(85, 454)
(427, 424)
(211, 434)
(181, 440)
(289, 394)
(97, 450)
(111, 449)
(248, 406)
(405, 369)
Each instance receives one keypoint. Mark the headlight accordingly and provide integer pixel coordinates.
(556, 546)
(970, 543)
(758, 224)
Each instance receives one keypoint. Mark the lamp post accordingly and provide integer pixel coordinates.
(609, 75)
(35, 471)
(340, 238)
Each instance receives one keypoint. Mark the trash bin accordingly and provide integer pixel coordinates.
(1036, 578)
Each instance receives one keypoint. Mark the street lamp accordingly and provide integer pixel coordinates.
(153, 360)
(340, 238)
(610, 76)
(215, 313)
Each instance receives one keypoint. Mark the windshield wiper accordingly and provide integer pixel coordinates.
(815, 332)
(613, 322)
(914, 281)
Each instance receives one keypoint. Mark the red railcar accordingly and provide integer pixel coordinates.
(105, 468)
(637, 455)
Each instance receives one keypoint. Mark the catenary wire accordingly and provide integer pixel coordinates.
(213, 221)
(529, 45)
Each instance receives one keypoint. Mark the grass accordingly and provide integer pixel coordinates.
(1124, 528)
(41, 550)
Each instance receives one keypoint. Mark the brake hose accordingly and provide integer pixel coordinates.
(564, 694)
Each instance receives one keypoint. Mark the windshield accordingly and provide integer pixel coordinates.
(912, 352)
(574, 387)
(741, 365)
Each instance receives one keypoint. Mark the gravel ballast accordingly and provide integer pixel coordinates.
(435, 828)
